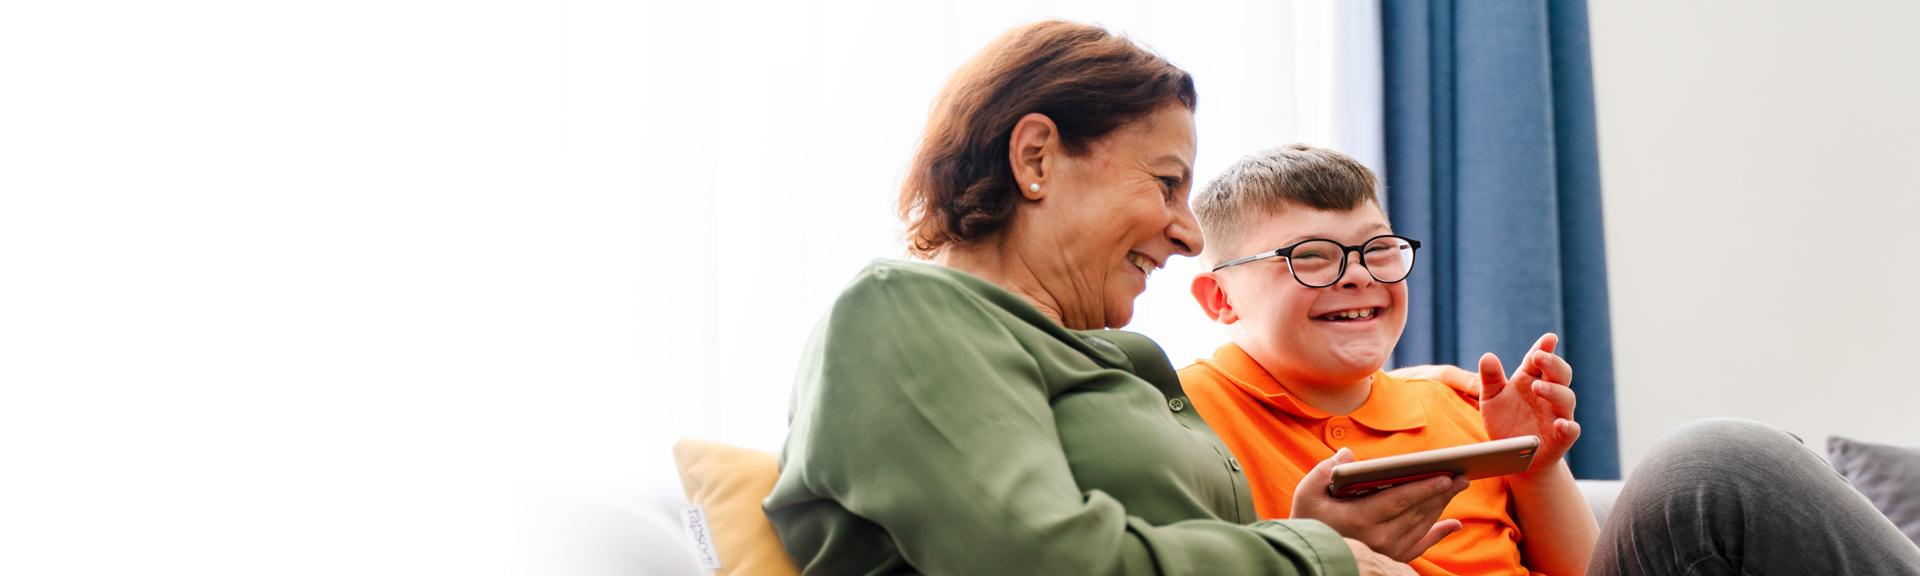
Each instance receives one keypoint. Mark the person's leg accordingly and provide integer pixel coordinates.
(1726, 496)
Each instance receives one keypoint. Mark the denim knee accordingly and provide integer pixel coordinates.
(1727, 450)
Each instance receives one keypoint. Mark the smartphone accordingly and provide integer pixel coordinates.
(1476, 461)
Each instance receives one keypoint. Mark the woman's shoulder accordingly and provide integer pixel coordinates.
(900, 281)
(903, 299)
(931, 287)
(906, 274)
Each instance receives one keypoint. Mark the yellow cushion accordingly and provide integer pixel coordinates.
(729, 483)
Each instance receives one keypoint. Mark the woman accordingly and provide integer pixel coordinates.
(971, 416)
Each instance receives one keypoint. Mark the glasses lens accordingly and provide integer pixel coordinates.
(1316, 262)
(1389, 258)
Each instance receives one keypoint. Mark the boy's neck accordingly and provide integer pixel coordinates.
(1335, 400)
(1332, 397)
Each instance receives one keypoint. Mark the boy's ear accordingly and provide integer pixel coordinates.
(1213, 298)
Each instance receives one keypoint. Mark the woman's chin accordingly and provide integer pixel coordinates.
(1120, 307)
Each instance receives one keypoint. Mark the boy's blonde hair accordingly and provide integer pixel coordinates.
(1265, 183)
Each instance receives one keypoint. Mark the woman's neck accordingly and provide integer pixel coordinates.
(992, 261)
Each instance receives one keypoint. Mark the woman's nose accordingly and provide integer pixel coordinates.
(1185, 233)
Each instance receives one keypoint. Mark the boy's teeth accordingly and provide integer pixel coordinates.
(1351, 314)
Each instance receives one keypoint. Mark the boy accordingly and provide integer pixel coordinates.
(1307, 275)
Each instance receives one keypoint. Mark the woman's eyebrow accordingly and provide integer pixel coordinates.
(1186, 171)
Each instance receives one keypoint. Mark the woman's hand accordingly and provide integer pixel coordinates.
(1454, 377)
(1372, 563)
(1400, 522)
(1536, 400)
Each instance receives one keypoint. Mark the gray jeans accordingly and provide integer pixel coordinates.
(1727, 496)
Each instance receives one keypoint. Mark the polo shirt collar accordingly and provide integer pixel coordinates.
(1389, 407)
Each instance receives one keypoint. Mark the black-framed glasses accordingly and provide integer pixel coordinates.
(1319, 262)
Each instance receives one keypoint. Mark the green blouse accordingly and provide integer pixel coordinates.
(942, 424)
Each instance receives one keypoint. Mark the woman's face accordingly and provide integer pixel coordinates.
(1112, 215)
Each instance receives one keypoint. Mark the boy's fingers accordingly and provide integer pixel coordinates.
(1561, 398)
(1493, 377)
(1341, 456)
(1570, 430)
(1527, 367)
(1322, 473)
(1409, 497)
(1554, 368)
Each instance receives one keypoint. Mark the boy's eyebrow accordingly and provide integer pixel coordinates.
(1377, 227)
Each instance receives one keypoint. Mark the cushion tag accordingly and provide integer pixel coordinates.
(695, 520)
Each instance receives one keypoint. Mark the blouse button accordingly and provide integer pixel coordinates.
(1177, 404)
(1233, 463)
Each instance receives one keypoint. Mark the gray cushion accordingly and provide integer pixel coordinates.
(1888, 475)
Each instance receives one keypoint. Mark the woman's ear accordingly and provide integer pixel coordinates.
(1030, 151)
(1213, 298)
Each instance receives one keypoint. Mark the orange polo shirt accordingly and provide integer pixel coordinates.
(1278, 438)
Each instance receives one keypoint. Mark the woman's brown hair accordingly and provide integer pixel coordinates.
(959, 188)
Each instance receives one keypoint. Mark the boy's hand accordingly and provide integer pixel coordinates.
(1399, 522)
(1536, 400)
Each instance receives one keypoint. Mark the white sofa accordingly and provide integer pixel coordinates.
(662, 548)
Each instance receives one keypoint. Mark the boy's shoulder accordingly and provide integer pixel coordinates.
(1203, 378)
(1201, 368)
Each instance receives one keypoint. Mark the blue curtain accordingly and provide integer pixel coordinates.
(1492, 160)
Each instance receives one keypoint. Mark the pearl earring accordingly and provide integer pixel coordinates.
(1034, 186)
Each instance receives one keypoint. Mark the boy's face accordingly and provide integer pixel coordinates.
(1303, 335)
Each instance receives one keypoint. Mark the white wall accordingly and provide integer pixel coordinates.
(1759, 166)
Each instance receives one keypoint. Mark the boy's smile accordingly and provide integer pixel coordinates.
(1361, 314)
